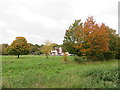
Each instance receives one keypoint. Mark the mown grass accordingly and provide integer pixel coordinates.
(39, 72)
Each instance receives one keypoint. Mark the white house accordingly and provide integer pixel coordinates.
(56, 51)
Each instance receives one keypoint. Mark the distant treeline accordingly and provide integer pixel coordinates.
(34, 49)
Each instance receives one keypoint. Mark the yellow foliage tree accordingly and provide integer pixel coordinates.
(46, 49)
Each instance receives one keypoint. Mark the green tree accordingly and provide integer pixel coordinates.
(19, 47)
(33, 49)
(37, 45)
(118, 48)
(70, 39)
(113, 45)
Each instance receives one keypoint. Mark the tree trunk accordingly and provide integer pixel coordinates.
(18, 56)
(46, 56)
(65, 56)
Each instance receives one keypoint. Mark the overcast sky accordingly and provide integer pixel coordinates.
(40, 20)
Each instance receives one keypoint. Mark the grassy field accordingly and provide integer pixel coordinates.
(39, 72)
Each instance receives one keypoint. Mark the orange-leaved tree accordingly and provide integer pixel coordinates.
(90, 39)
(19, 47)
(96, 39)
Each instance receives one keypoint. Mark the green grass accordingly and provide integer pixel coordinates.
(39, 72)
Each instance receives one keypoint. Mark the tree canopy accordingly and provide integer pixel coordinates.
(19, 47)
(88, 38)
(3, 49)
(46, 49)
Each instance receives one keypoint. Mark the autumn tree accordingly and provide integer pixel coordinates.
(19, 47)
(3, 49)
(46, 49)
(87, 39)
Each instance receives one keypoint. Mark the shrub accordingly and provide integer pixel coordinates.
(80, 59)
(105, 56)
(118, 54)
(100, 56)
(37, 53)
(109, 55)
(106, 78)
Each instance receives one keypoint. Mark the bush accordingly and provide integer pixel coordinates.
(80, 59)
(118, 54)
(100, 56)
(106, 78)
(37, 53)
(105, 56)
(109, 55)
